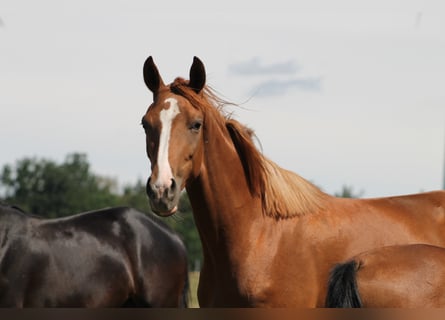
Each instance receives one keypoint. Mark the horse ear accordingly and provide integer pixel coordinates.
(152, 77)
(197, 75)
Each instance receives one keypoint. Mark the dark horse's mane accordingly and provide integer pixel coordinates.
(19, 210)
(4, 205)
(283, 193)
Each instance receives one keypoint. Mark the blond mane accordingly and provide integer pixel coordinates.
(284, 194)
(287, 194)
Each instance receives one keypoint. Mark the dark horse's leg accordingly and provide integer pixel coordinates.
(136, 302)
(139, 302)
(185, 293)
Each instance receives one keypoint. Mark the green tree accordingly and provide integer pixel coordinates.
(348, 192)
(185, 225)
(135, 196)
(46, 188)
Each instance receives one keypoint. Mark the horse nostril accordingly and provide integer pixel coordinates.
(149, 188)
(148, 183)
(171, 191)
(173, 185)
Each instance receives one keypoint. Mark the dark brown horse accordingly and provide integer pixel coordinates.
(409, 276)
(107, 258)
(269, 236)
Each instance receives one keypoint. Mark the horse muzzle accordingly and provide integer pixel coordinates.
(163, 198)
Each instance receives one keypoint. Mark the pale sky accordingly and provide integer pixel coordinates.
(341, 92)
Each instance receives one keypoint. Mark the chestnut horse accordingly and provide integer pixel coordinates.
(409, 276)
(269, 236)
(107, 258)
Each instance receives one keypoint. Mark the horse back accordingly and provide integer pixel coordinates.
(348, 227)
(376, 222)
(429, 206)
(102, 258)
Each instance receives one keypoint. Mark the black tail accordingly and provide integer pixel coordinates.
(342, 287)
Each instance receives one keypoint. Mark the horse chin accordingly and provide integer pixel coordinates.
(168, 213)
(164, 211)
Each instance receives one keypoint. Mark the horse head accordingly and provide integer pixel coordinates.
(173, 128)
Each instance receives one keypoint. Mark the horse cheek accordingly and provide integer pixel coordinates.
(197, 160)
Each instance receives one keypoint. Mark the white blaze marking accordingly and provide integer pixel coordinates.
(166, 115)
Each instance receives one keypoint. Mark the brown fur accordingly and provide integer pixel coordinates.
(269, 236)
(284, 194)
(404, 276)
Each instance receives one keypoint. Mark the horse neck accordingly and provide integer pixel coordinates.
(11, 220)
(220, 195)
(10, 216)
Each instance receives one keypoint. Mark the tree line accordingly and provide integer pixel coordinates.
(50, 190)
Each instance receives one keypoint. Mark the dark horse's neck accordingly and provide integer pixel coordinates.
(11, 219)
(11, 213)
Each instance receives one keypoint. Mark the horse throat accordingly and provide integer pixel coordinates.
(220, 195)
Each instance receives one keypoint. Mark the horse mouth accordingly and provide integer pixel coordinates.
(164, 213)
(163, 207)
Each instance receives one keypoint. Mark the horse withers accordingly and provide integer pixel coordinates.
(406, 276)
(107, 258)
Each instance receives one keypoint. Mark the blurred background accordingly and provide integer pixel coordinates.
(348, 94)
(343, 93)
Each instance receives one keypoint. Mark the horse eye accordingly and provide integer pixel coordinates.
(196, 125)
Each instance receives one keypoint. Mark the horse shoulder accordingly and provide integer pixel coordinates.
(279, 263)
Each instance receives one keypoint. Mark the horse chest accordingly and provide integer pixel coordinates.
(284, 277)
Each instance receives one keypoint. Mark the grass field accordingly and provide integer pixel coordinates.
(193, 279)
